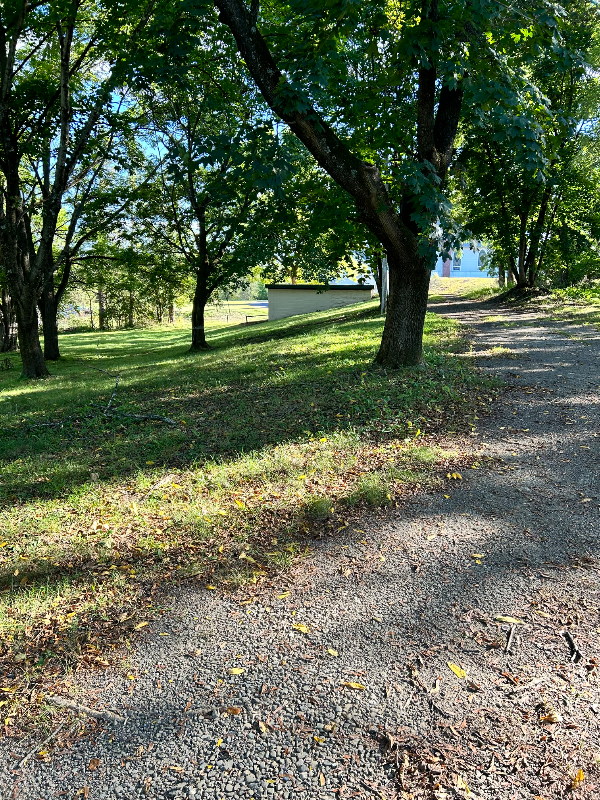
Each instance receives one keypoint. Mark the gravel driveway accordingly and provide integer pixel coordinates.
(226, 699)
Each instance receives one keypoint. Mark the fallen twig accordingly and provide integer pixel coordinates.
(90, 712)
(112, 397)
(576, 654)
(38, 747)
(142, 416)
(511, 636)
(376, 792)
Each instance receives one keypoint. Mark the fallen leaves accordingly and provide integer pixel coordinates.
(458, 671)
(300, 626)
(332, 652)
(94, 764)
(235, 670)
(140, 625)
(508, 620)
(578, 779)
(353, 685)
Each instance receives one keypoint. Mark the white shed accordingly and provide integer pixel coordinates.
(288, 299)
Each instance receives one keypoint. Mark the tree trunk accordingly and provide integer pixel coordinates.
(502, 276)
(8, 324)
(201, 296)
(32, 357)
(171, 313)
(49, 311)
(377, 272)
(130, 314)
(402, 340)
(101, 311)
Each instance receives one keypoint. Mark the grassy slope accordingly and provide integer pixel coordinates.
(281, 428)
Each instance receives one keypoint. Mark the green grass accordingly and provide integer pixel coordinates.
(275, 426)
(469, 288)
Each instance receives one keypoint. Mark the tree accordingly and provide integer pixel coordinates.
(510, 199)
(61, 64)
(209, 206)
(314, 230)
(375, 91)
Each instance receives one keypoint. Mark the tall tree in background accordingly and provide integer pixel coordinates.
(209, 204)
(61, 64)
(515, 201)
(375, 91)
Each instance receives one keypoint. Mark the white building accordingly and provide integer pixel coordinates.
(288, 300)
(464, 265)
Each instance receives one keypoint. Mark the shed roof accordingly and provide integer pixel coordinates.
(322, 287)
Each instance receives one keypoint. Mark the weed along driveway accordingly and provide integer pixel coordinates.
(444, 648)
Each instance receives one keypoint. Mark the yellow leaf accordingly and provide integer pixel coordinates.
(541, 613)
(458, 671)
(319, 739)
(235, 670)
(578, 779)
(353, 685)
(281, 596)
(163, 634)
(211, 587)
(131, 677)
(149, 462)
(477, 555)
(140, 625)
(332, 652)
(219, 742)
(299, 626)
(324, 439)
(322, 779)
(509, 620)
(221, 549)
(239, 503)
(447, 496)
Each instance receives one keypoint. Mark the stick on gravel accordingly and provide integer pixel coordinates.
(91, 712)
(38, 747)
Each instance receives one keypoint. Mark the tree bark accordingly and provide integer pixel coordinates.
(171, 313)
(402, 340)
(130, 311)
(101, 311)
(32, 357)
(201, 297)
(8, 324)
(49, 311)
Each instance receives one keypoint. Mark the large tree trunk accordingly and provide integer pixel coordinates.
(49, 311)
(32, 357)
(201, 297)
(8, 324)
(402, 340)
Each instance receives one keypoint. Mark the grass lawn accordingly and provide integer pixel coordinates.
(469, 288)
(282, 431)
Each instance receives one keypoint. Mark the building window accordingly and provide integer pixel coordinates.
(456, 260)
